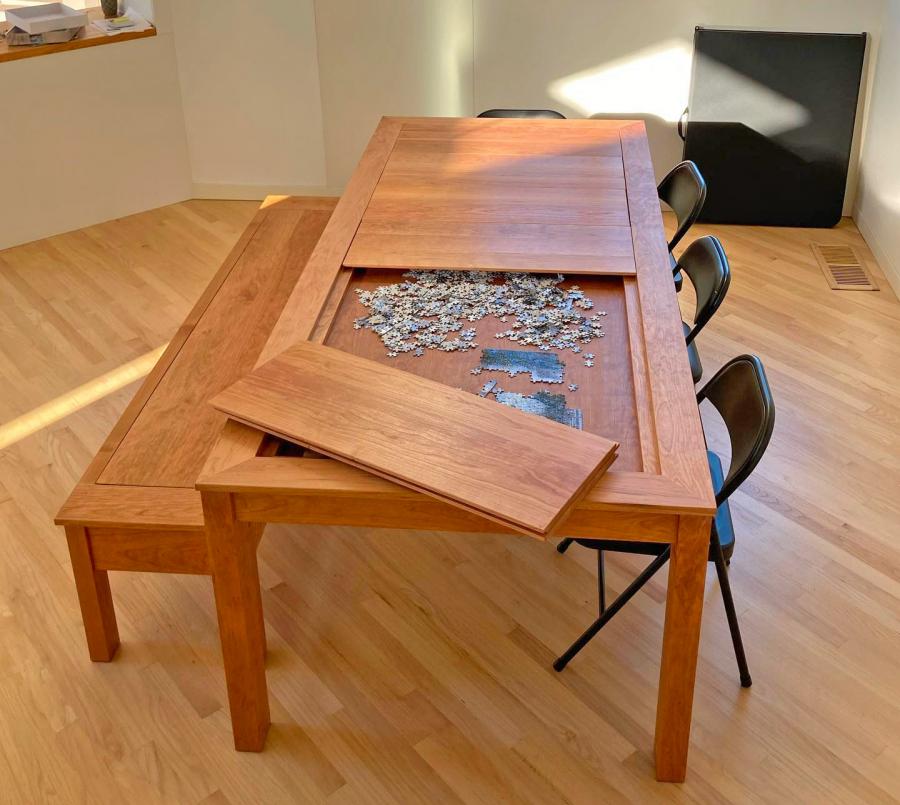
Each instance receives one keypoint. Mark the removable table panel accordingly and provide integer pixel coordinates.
(541, 195)
(520, 470)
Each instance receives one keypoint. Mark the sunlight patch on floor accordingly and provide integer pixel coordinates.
(50, 412)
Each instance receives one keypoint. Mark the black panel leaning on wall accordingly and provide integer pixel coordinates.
(770, 124)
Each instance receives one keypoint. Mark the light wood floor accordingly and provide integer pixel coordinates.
(410, 667)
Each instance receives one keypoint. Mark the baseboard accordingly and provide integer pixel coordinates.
(890, 270)
(252, 192)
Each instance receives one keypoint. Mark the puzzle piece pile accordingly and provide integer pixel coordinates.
(431, 309)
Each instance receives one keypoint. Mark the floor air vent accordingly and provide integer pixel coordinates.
(843, 268)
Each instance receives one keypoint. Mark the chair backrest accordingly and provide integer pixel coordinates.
(706, 266)
(531, 113)
(684, 189)
(740, 392)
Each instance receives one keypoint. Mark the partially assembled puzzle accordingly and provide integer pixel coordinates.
(439, 310)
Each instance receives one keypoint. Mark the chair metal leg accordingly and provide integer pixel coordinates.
(730, 612)
(601, 581)
(624, 597)
(564, 545)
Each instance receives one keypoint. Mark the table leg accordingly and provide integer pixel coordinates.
(681, 641)
(94, 597)
(232, 555)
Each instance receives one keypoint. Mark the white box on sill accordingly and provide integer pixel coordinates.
(48, 17)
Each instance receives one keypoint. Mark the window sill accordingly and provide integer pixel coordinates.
(90, 38)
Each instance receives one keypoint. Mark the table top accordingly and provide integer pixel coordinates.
(164, 440)
(503, 195)
(144, 474)
(642, 397)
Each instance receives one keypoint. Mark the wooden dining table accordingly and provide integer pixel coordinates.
(577, 197)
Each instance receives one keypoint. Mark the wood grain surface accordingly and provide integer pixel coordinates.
(521, 470)
(605, 393)
(173, 429)
(672, 461)
(484, 194)
(675, 427)
(542, 248)
(154, 508)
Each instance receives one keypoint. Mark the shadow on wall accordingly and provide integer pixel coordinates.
(653, 79)
(665, 144)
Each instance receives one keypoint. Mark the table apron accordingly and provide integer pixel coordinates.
(423, 514)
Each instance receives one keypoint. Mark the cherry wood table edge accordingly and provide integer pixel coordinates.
(148, 528)
(672, 424)
(77, 514)
(678, 431)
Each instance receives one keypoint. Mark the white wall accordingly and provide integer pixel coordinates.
(391, 57)
(878, 205)
(90, 135)
(439, 57)
(585, 57)
(283, 96)
(250, 86)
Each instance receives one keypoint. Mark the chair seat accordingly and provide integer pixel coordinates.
(679, 280)
(722, 523)
(693, 356)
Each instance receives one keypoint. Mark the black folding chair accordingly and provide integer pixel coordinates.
(684, 189)
(528, 113)
(740, 393)
(707, 268)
